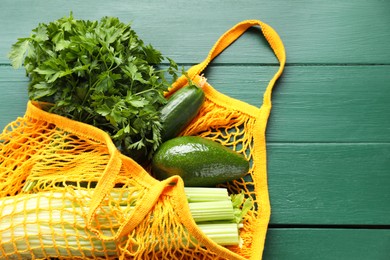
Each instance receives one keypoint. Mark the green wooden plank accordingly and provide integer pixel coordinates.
(326, 31)
(315, 103)
(327, 183)
(10, 75)
(311, 103)
(13, 97)
(327, 244)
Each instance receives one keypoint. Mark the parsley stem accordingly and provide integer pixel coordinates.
(145, 91)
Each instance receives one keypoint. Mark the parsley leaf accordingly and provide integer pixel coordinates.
(100, 73)
(18, 51)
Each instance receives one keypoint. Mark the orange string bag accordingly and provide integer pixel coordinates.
(87, 200)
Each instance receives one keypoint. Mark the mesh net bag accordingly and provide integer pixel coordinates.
(67, 192)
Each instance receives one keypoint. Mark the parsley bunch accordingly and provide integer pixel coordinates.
(100, 73)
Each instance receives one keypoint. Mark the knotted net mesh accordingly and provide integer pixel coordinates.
(50, 168)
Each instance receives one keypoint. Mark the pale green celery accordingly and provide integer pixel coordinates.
(29, 185)
(199, 194)
(241, 205)
(223, 234)
(212, 211)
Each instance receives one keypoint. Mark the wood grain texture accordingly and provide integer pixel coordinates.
(324, 183)
(328, 137)
(318, 32)
(315, 103)
(327, 244)
(13, 97)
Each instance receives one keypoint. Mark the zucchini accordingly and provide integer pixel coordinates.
(180, 110)
(198, 161)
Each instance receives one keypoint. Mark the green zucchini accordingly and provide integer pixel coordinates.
(180, 110)
(199, 161)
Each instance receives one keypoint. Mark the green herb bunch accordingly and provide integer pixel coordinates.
(100, 73)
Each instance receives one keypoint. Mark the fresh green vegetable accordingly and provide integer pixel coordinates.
(100, 73)
(199, 161)
(180, 110)
(52, 223)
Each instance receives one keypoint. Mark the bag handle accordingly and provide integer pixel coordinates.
(106, 182)
(140, 211)
(232, 35)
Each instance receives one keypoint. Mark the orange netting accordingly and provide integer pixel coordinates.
(67, 192)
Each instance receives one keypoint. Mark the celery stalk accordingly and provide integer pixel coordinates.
(212, 211)
(200, 194)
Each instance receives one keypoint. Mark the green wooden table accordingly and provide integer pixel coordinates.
(329, 130)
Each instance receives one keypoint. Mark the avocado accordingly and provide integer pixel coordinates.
(198, 161)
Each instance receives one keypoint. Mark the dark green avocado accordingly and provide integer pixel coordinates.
(198, 161)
